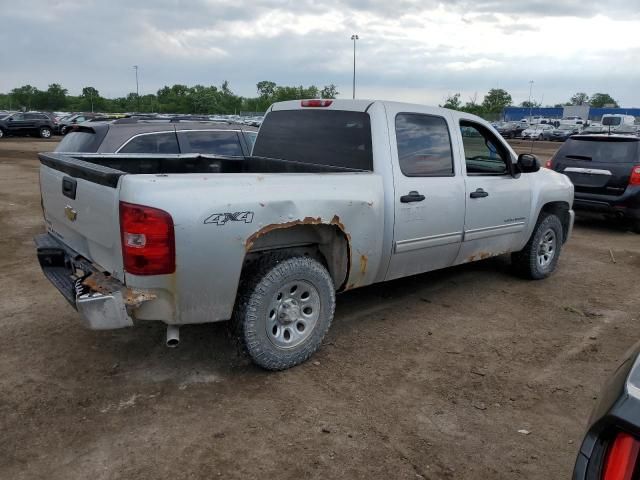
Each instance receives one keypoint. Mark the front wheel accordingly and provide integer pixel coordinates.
(284, 309)
(45, 132)
(539, 258)
(1, 133)
(539, 137)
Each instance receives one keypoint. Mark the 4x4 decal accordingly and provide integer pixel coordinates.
(222, 218)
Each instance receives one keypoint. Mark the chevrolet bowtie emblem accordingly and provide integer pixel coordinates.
(70, 213)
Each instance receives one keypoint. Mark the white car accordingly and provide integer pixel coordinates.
(538, 132)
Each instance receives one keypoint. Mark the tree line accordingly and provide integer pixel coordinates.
(497, 99)
(198, 99)
(212, 99)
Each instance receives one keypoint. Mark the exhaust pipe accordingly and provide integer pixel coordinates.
(173, 336)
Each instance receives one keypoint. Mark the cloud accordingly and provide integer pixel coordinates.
(418, 50)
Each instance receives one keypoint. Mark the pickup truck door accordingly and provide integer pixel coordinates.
(497, 201)
(429, 190)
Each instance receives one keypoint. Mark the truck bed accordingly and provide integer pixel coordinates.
(105, 169)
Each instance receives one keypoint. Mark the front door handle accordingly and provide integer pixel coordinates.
(413, 196)
(479, 193)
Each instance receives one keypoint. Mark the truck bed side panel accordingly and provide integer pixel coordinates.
(215, 217)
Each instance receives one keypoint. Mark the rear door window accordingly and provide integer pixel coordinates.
(214, 142)
(424, 145)
(323, 137)
(165, 142)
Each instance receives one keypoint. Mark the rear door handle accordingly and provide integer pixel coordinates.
(412, 196)
(479, 193)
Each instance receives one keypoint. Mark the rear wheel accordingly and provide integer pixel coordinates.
(45, 132)
(540, 137)
(285, 307)
(1, 133)
(539, 258)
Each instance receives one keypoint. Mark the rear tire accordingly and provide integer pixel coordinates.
(1, 133)
(45, 132)
(539, 258)
(284, 309)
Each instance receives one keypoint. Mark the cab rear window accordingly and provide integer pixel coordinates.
(322, 137)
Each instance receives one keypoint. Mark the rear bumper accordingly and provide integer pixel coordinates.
(103, 302)
(626, 205)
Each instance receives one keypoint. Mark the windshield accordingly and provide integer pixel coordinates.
(565, 127)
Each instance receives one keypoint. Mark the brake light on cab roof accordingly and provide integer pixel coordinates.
(316, 103)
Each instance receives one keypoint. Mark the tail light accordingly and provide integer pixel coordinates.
(634, 179)
(622, 458)
(316, 103)
(549, 163)
(148, 243)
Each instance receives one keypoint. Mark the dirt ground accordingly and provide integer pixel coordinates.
(426, 377)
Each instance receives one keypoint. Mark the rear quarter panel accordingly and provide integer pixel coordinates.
(209, 256)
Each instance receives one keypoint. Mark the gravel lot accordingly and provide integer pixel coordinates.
(427, 377)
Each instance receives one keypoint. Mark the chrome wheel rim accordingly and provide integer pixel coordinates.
(547, 248)
(46, 133)
(293, 314)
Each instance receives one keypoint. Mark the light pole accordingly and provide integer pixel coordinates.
(530, 106)
(135, 67)
(354, 37)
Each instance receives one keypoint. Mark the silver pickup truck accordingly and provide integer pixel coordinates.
(338, 194)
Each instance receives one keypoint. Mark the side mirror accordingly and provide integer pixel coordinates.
(528, 163)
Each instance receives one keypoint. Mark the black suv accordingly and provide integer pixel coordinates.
(165, 136)
(28, 123)
(605, 170)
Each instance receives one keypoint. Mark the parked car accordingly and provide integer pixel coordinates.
(537, 132)
(65, 124)
(28, 123)
(172, 136)
(605, 170)
(510, 129)
(561, 133)
(594, 129)
(610, 449)
(572, 121)
(323, 205)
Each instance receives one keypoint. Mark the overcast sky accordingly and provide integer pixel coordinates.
(417, 51)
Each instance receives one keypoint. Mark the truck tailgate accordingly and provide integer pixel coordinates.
(83, 214)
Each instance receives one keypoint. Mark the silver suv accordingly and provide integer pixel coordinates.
(165, 136)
